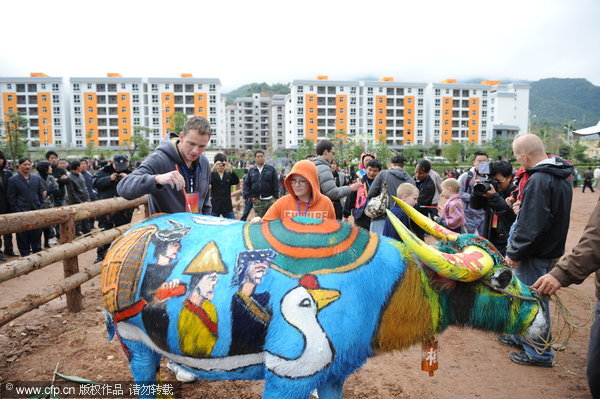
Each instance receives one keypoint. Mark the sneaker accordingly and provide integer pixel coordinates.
(524, 360)
(53, 241)
(508, 341)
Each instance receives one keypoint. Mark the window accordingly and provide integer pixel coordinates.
(9, 97)
(420, 92)
(341, 110)
(135, 87)
(155, 98)
(484, 103)
(212, 87)
(370, 112)
(380, 111)
(419, 112)
(56, 110)
(437, 92)
(136, 110)
(352, 122)
(123, 109)
(155, 121)
(370, 101)
(9, 86)
(447, 101)
(484, 93)
(409, 100)
(154, 87)
(353, 90)
(213, 99)
(369, 90)
(123, 86)
(300, 100)
(352, 111)
(300, 89)
(75, 86)
(352, 100)
(474, 102)
(136, 98)
(89, 86)
(90, 120)
(437, 102)
(77, 122)
(419, 122)
(484, 114)
(77, 110)
(300, 121)
(123, 97)
(136, 121)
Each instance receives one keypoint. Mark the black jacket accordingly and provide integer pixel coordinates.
(543, 221)
(496, 205)
(265, 184)
(25, 194)
(426, 194)
(101, 181)
(5, 174)
(62, 183)
(221, 191)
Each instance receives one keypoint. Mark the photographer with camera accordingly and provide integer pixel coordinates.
(105, 182)
(489, 194)
(467, 180)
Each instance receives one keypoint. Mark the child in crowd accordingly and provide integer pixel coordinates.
(304, 198)
(453, 212)
(357, 200)
(408, 193)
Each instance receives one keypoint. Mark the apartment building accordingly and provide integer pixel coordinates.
(187, 95)
(106, 110)
(249, 123)
(400, 113)
(278, 102)
(393, 112)
(39, 99)
(321, 107)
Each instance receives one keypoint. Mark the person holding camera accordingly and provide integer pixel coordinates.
(474, 217)
(490, 195)
(105, 182)
(221, 180)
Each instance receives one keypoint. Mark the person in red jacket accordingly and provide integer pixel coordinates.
(304, 198)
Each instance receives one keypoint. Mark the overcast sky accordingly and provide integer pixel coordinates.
(277, 41)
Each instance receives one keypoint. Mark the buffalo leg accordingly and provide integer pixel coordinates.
(331, 390)
(286, 388)
(143, 362)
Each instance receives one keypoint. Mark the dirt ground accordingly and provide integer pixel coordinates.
(472, 364)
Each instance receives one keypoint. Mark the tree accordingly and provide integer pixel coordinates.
(499, 148)
(178, 119)
(564, 151)
(384, 153)
(452, 151)
(15, 136)
(306, 147)
(89, 148)
(137, 142)
(579, 153)
(413, 153)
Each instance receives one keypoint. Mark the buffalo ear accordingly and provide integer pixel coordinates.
(502, 278)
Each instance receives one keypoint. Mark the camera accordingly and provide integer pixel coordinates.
(482, 187)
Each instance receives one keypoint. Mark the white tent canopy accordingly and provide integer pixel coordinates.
(588, 130)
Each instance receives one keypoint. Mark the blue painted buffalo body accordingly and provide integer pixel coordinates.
(301, 303)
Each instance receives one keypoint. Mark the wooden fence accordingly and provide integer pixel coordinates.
(67, 251)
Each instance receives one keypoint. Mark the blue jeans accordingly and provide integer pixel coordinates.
(528, 271)
(377, 225)
(228, 215)
(593, 357)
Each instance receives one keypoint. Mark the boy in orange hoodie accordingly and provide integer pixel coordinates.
(304, 198)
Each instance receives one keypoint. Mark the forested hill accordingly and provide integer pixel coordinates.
(558, 101)
(249, 89)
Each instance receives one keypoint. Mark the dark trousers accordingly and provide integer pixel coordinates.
(29, 242)
(587, 183)
(8, 244)
(107, 222)
(247, 209)
(57, 203)
(593, 357)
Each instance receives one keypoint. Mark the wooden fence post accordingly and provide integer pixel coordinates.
(71, 265)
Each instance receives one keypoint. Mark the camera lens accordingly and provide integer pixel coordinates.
(481, 188)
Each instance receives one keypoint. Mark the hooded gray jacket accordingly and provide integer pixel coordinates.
(327, 182)
(394, 178)
(164, 198)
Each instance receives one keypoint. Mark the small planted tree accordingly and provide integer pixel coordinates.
(14, 140)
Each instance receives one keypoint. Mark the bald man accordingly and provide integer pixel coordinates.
(540, 230)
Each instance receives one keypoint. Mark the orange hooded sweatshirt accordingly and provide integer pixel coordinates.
(319, 207)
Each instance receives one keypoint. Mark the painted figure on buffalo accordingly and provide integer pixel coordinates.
(250, 310)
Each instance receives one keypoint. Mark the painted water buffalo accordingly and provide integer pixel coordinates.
(300, 302)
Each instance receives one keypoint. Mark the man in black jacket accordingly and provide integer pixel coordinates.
(105, 182)
(499, 216)
(261, 185)
(221, 180)
(540, 231)
(62, 179)
(426, 188)
(5, 174)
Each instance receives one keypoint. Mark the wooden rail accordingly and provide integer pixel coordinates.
(67, 251)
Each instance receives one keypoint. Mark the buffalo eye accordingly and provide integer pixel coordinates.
(502, 278)
(305, 303)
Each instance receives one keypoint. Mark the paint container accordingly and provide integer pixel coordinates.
(429, 356)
